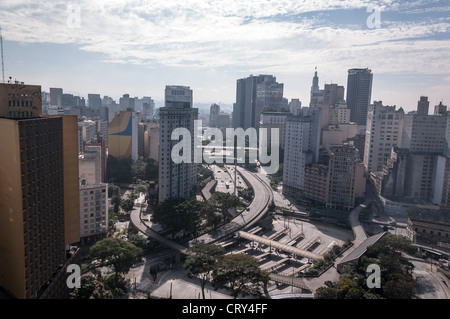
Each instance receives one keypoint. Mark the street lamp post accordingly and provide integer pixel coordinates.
(235, 179)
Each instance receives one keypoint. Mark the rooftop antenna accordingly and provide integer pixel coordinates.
(3, 64)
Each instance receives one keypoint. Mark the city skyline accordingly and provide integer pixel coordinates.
(139, 47)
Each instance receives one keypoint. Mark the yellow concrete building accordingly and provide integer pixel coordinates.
(39, 196)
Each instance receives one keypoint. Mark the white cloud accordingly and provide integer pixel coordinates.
(229, 33)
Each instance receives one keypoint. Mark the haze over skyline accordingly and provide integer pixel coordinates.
(138, 47)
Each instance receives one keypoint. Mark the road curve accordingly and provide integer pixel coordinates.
(257, 209)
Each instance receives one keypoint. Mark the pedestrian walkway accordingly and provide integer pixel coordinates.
(332, 274)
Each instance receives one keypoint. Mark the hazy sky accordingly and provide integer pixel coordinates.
(113, 47)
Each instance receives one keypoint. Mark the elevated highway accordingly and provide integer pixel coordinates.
(256, 210)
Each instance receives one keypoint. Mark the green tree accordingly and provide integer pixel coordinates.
(399, 287)
(142, 186)
(138, 240)
(138, 170)
(127, 205)
(329, 291)
(202, 260)
(241, 275)
(188, 214)
(224, 201)
(246, 193)
(113, 190)
(208, 213)
(183, 215)
(345, 288)
(119, 170)
(116, 201)
(151, 169)
(90, 288)
(396, 273)
(121, 255)
(166, 214)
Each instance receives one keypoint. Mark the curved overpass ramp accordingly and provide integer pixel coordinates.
(257, 209)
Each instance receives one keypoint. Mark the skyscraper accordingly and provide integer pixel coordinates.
(302, 140)
(359, 92)
(94, 101)
(39, 204)
(176, 179)
(383, 132)
(332, 94)
(253, 94)
(423, 105)
(269, 94)
(314, 95)
(440, 109)
(214, 111)
(126, 103)
(56, 96)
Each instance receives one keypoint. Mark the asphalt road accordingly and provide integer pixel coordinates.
(257, 208)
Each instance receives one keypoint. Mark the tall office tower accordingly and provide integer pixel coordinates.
(56, 96)
(269, 94)
(252, 95)
(69, 101)
(214, 111)
(425, 137)
(302, 139)
(424, 133)
(359, 91)
(440, 109)
(39, 204)
(423, 105)
(383, 132)
(94, 101)
(332, 94)
(123, 136)
(176, 179)
(315, 92)
(126, 103)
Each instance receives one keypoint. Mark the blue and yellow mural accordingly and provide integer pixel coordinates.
(120, 135)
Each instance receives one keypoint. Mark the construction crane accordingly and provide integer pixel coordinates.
(3, 64)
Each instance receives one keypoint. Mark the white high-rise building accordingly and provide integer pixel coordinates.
(383, 132)
(176, 179)
(302, 141)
